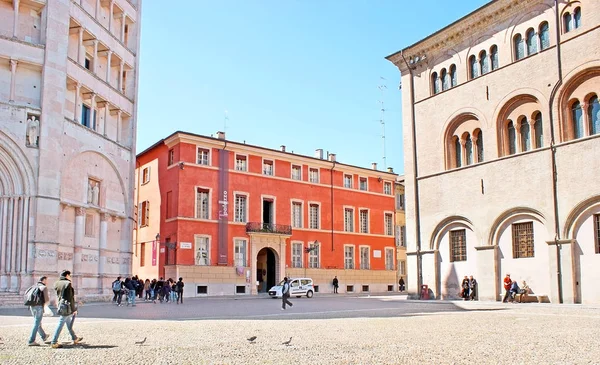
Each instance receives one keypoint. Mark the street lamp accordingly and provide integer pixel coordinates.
(307, 250)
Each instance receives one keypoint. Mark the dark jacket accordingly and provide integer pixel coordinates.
(180, 286)
(64, 290)
(129, 284)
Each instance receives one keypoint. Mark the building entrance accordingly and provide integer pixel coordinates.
(266, 272)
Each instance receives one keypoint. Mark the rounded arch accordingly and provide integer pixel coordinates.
(509, 214)
(460, 125)
(16, 174)
(523, 17)
(441, 228)
(578, 214)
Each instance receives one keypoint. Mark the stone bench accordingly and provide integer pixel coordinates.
(528, 297)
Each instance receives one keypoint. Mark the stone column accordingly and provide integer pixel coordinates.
(106, 115)
(81, 48)
(93, 113)
(76, 114)
(95, 68)
(488, 278)
(4, 202)
(103, 234)
(253, 253)
(108, 67)
(463, 152)
(79, 226)
(475, 149)
(111, 15)
(565, 250)
(586, 119)
(119, 131)
(97, 12)
(123, 21)
(412, 280)
(13, 78)
(16, 18)
(121, 67)
(282, 257)
(518, 141)
(24, 239)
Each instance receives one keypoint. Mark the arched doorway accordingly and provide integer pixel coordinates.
(266, 269)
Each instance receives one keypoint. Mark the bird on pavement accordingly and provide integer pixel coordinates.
(287, 343)
(141, 342)
(252, 339)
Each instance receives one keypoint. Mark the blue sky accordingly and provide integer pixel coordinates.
(303, 74)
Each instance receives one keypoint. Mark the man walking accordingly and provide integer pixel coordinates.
(335, 284)
(285, 294)
(179, 288)
(65, 298)
(117, 287)
(37, 310)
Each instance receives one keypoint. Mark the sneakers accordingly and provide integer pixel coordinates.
(45, 339)
(33, 343)
(77, 340)
(57, 346)
(282, 309)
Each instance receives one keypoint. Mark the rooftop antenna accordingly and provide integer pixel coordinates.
(382, 88)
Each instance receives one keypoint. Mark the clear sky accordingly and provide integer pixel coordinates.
(304, 74)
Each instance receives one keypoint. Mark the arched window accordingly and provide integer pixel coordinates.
(544, 32)
(480, 147)
(568, 22)
(445, 80)
(435, 83)
(469, 150)
(519, 47)
(474, 67)
(577, 115)
(457, 152)
(525, 135)
(577, 18)
(531, 42)
(453, 79)
(512, 139)
(594, 115)
(494, 57)
(484, 62)
(539, 131)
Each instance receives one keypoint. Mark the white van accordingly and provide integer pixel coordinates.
(298, 288)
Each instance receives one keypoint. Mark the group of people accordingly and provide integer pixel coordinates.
(468, 288)
(67, 309)
(512, 289)
(164, 290)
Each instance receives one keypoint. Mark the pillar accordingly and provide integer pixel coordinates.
(586, 119)
(119, 126)
(108, 67)
(565, 249)
(13, 78)
(488, 278)
(253, 253)
(76, 115)
(16, 18)
(103, 234)
(282, 258)
(4, 204)
(463, 150)
(95, 68)
(110, 15)
(412, 282)
(79, 226)
(93, 116)
(80, 50)
(121, 67)
(123, 21)
(106, 114)
(97, 12)
(475, 149)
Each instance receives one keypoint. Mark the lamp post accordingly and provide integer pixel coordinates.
(307, 250)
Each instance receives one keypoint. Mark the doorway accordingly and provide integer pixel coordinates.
(266, 269)
(267, 212)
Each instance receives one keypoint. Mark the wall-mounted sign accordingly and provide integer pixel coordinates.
(377, 254)
(185, 245)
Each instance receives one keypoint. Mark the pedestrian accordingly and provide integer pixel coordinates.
(179, 287)
(158, 291)
(335, 284)
(285, 294)
(67, 309)
(39, 299)
(117, 287)
(140, 288)
(173, 291)
(401, 284)
(131, 287)
(465, 288)
(166, 291)
(472, 288)
(514, 290)
(147, 290)
(507, 285)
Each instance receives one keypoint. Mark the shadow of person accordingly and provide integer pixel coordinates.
(86, 346)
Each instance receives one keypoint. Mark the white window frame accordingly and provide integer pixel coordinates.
(196, 201)
(368, 266)
(145, 175)
(351, 181)
(208, 238)
(353, 223)
(402, 267)
(385, 226)
(274, 199)
(235, 259)
(292, 172)
(315, 253)
(387, 264)
(235, 195)
(391, 191)
(301, 202)
(318, 171)
(272, 161)
(171, 157)
(400, 203)
(318, 215)
(360, 228)
(208, 156)
(366, 181)
(295, 243)
(144, 206)
(236, 162)
(353, 257)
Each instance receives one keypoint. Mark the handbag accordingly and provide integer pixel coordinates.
(64, 306)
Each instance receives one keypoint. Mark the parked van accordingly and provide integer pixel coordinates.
(298, 288)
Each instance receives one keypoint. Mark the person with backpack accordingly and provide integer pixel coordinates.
(36, 297)
(117, 287)
(285, 294)
(130, 286)
(66, 308)
(179, 288)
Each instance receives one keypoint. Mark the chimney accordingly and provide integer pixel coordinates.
(220, 135)
(319, 153)
(282, 148)
(374, 165)
(332, 157)
(391, 169)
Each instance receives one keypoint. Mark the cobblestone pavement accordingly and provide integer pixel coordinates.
(376, 330)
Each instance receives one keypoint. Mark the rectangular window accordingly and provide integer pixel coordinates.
(87, 64)
(402, 268)
(458, 245)
(202, 253)
(86, 116)
(296, 172)
(348, 181)
(363, 184)
(364, 221)
(240, 208)
(387, 188)
(597, 231)
(364, 258)
(144, 213)
(314, 216)
(89, 225)
(171, 157)
(399, 201)
(268, 167)
(296, 215)
(522, 236)
(349, 220)
(389, 226)
(240, 253)
(389, 258)
(169, 203)
(349, 257)
(313, 256)
(241, 163)
(403, 236)
(143, 254)
(203, 157)
(313, 175)
(202, 204)
(297, 255)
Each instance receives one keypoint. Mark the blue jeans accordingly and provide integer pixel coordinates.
(38, 313)
(61, 323)
(132, 297)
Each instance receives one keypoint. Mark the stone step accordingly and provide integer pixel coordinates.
(10, 299)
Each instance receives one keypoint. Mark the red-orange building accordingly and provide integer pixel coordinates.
(232, 218)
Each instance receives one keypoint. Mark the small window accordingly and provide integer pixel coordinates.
(202, 289)
(494, 57)
(387, 188)
(402, 268)
(142, 254)
(389, 230)
(297, 255)
(519, 47)
(538, 131)
(296, 172)
(525, 135)
(597, 232)
(512, 139)
(435, 83)
(480, 155)
(268, 167)
(577, 18)
(523, 241)
(314, 218)
(202, 203)
(349, 220)
(349, 257)
(203, 157)
(146, 175)
(593, 115)
(350, 288)
(544, 32)
(171, 157)
(399, 201)
(389, 258)
(365, 288)
(240, 253)
(240, 208)
(458, 245)
(314, 257)
(313, 175)
(89, 225)
(457, 152)
(484, 62)
(241, 163)
(363, 184)
(240, 289)
(577, 120)
(87, 119)
(365, 263)
(348, 181)
(87, 64)
(144, 213)
(364, 221)
(469, 149)
(453, 76)
(473, 67)
(202, 251)
(390, 288)
(531, 42)
(316, 287)
(568, 22)
(445, 80)
(297, 215)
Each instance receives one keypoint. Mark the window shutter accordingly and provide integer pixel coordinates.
(147, 212)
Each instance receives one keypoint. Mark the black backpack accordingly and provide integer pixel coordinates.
(34, 296)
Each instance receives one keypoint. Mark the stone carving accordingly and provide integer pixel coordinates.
(112, 260)
(93, 194)
(40, 253)
(66, 256)
(79, 211)
(89, 258)
(33, 132)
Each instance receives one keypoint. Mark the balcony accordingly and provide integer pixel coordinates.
(258, 227)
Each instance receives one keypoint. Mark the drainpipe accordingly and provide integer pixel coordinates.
(553, 155)
(415, 175)
(331, 173)
(137, 207)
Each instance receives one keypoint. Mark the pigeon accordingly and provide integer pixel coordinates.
(252, 339)
(287, 343)
(141, 342)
